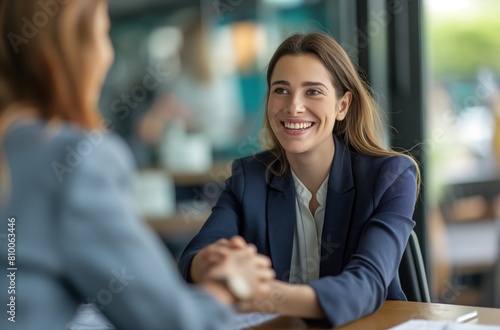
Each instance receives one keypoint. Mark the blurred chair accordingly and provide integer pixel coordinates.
(412, 272)
(469, 209)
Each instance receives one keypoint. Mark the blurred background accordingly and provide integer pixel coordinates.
(187, 87)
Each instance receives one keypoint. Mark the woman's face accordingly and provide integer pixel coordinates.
(102, 51)
(303, 106)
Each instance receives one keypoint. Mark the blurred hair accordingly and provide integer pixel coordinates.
(363, 127)
(45, 68)
(45, 53)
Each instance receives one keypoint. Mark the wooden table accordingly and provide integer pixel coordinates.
(393, 313)
(189, 223)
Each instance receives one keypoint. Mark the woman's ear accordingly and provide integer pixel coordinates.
(343, 106)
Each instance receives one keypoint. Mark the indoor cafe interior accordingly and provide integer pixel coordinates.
(187, 89)
(204, 64)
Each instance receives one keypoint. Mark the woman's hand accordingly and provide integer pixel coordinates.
(213, 254)
(236, 261)
(284, 298)
(208, 257)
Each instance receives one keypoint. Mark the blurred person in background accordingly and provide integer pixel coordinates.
(327, 202)
(68, 185)
(203, 93)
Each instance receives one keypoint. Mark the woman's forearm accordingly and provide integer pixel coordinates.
(297, 300)
(195, 270)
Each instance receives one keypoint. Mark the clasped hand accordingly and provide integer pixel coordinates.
(234, 258)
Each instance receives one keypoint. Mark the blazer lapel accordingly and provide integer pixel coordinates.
(339, 202)
(281, 223)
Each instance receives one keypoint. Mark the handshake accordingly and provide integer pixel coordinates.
(235, 265)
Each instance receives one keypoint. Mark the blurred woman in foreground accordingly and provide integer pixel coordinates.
(67, 202)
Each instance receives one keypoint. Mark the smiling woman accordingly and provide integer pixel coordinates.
(327, 201)
(302, 107)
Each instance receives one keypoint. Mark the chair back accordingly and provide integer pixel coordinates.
(412, 273)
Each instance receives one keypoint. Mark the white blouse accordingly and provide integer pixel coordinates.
(306, 250)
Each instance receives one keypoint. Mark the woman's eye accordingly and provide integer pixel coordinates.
(280, 90)
(313, 92)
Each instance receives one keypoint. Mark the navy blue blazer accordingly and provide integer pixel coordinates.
(368, 219)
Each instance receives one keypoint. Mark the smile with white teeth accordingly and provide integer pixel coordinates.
(297, 126)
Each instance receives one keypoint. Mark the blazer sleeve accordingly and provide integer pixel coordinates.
(362, 286)
(114, 260)
(223, 221)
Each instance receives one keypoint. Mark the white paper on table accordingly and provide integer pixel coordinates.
(441, 325)
(248, 320)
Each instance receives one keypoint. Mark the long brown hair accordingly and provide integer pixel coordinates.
(363, 127)
(42, 61)
(44, 58)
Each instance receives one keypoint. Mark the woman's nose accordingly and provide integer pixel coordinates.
(296, 105)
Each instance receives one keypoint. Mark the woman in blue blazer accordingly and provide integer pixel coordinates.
(327, 202)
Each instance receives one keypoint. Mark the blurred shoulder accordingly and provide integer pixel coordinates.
(65, 148)
(42, 133)
(94, 150)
